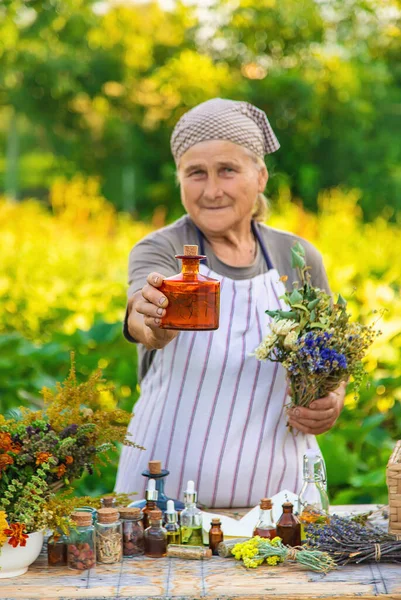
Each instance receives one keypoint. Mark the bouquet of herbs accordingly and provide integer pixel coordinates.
(348, 541)
(257, 551)
(314, 339)
(42, 451)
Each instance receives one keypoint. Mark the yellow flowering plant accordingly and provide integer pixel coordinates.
(257, 550)
(43, 451)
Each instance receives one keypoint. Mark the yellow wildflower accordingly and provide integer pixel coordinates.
(272, 560)
(3, 526)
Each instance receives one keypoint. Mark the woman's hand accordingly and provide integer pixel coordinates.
(321, 414)
(146, 309)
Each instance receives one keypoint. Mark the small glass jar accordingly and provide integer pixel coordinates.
(57, 550)
(109, 536)
(81, 543)
(133, 532)
(108, 502)
(155, 536)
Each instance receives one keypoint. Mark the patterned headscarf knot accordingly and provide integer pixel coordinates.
(219, 119)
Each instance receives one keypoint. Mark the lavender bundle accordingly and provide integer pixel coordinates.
(347, 541)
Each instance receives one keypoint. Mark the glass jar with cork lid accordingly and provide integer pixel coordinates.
(81, 543)
(109, 536)
(193, 299)
(155, 536)
(133, 532)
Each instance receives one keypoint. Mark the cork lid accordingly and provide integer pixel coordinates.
(82, 519)
(108, 501)
(208, 552)
(107, 515)
(155, 467)
(216, 521)
(287, 505)
(266, 504)
(155, 514)
(190, 250)
(127, 512)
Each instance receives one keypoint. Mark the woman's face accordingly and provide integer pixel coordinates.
(219, 185)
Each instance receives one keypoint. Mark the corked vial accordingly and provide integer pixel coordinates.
(81, 543)
(109, 536)
(133, 532)
(193, 298)
(155, 535)
(188, 552)
(215, 535)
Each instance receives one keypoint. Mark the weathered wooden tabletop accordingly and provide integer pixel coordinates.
(140, 578)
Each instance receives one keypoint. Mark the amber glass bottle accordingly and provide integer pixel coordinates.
(193, 299)
(155, 536)
(289, 527)
(265, 527)
(215, 535)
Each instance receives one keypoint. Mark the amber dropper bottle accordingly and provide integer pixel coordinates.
(265, 527)
(151, 496)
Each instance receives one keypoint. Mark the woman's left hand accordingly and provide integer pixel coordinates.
(321, 414)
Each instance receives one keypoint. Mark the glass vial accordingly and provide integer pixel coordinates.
(57, 550)
(265, 527)
(151, 496)
(133, 532)
(191, 518)
(215, 535)
(193, 299)
(155, 536)
(81, 543)
(109, 536)
(171, 524)
(289, 527)
(188, 552)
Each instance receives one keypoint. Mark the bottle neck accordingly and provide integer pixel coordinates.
(190, 266)
(155, 523)
(266, 516)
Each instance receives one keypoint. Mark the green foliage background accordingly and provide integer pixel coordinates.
(95, 88)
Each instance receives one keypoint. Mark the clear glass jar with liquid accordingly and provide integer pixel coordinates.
(313, 503)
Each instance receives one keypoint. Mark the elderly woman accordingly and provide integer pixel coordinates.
(208, 409)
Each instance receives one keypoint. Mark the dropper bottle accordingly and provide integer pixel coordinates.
(191, 518)
(151, 496)
(171, 525)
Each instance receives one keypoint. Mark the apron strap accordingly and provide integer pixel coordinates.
(269, 264)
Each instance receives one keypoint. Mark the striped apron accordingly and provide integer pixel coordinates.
(214, 414)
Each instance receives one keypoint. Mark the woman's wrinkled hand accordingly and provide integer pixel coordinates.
(321, 414)
(151, 303)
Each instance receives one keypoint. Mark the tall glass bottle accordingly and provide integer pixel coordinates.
(171, 524)
(193, 299)
(155, 536)
(151, 496)
(313, 502)
(191, 518)
(265, 527)
(289, 527)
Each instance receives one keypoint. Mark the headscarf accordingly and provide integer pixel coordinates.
(219, 119)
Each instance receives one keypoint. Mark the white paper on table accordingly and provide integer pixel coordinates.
(244, 527)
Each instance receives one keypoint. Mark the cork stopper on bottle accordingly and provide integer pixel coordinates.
(130, 512)
(155, 514)
(190, 250)
(287, 505)
(216, 521)
(266, 504)
(155, 467)
(82, 519)
(107, 515)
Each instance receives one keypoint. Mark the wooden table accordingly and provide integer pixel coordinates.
(140, 578)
